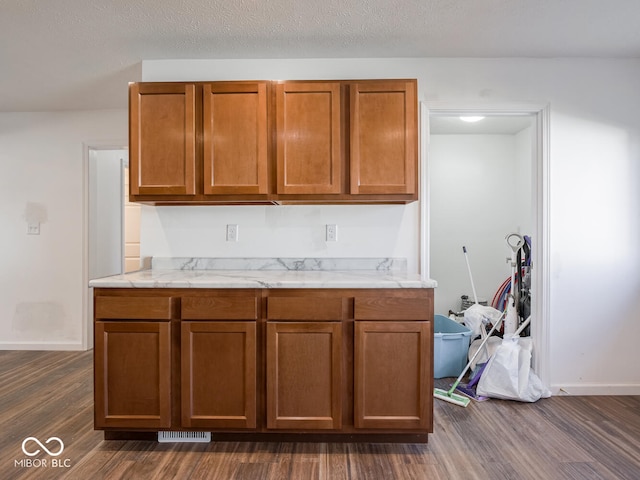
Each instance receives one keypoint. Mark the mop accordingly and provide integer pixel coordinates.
(469, 389)
(449, 395)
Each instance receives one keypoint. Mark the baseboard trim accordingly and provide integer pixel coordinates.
(595, 389)
(41, 346)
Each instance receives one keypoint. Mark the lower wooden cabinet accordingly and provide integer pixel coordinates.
(391, 375)
(132, 374)
(264, 362)
(218, 363)
(304, 375)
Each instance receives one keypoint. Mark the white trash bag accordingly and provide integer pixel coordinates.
(478, 315)
(508, 373)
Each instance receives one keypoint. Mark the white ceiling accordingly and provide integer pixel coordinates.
(80, 54)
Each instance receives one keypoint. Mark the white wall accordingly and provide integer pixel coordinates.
(41, 171)
(280, 231)
(475, 201)
(594, 193)
(594, 189)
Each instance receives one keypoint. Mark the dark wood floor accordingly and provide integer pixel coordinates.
(45, 394)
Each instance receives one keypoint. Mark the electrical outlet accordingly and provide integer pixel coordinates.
(33, 228)
(332, 232)
(232, 232)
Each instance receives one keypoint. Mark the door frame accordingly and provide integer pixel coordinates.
(87, 292)
(540, 274)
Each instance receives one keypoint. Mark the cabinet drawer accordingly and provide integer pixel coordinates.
(306, 308)
(392, 308)
(219, 308)
(134, 308)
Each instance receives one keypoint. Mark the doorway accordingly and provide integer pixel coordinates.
(475, 207)
(480, 192)
(112, 224)
(106, 212)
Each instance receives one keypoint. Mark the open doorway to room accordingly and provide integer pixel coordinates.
(112, 224)
(482, 181)
(480, 192)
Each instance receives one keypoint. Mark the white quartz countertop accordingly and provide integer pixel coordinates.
(263, 279)
(183, 272)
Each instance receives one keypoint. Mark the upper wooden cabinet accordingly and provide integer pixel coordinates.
(198, 142)
(309, 154)
(347, 141)
(384, 156)
(235, 138)
(162, 139)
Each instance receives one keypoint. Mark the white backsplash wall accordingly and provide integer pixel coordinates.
(282, 231)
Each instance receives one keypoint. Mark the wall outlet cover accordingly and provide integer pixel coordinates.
(232, 232)
(332, 232)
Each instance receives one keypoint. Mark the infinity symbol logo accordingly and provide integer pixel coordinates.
(49, 452)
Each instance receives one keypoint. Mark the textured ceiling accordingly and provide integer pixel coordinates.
(80, 54)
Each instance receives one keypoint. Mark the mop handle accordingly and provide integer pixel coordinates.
(473, 287)
(486, 339)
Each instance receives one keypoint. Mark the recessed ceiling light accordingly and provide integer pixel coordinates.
(471, 119)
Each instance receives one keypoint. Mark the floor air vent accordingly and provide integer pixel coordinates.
(184, 437)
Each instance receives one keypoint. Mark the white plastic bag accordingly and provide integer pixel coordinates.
(508, 374)
(477, 315)
(487, 351)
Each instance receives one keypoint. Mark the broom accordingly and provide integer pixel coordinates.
(448, 395)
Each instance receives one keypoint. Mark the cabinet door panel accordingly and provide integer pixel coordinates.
(392, 375)
(162, 139)
(235, 138)
(219, 374)
(308, 138)
(133, 374)
(304, 375)
(383, 154)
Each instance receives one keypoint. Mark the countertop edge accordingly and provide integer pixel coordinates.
(214, 279)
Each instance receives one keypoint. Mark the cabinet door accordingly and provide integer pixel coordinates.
(304, 375)
(219, 374)
(162, 139)
(392, 375)
(235, 138)
(383, 144)
(309, 159)
(133, 374)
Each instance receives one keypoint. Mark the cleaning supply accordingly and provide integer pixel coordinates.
(469, 389)
(449, 395)
(515, 242)
(473, 287)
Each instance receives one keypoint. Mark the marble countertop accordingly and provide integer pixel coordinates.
(271, 273)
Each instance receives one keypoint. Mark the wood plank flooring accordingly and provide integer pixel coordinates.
(46, 394)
